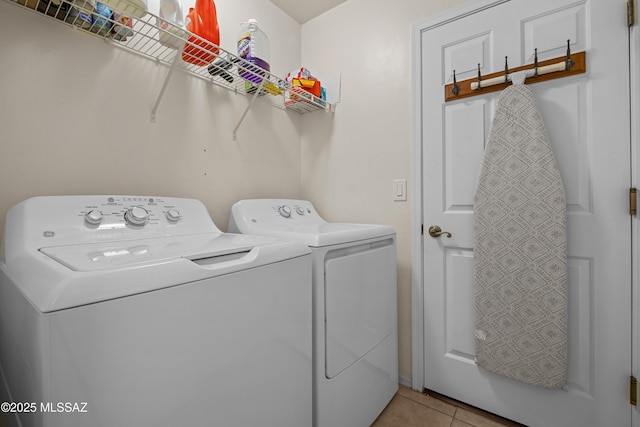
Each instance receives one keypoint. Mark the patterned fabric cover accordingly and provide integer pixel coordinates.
(520, 249)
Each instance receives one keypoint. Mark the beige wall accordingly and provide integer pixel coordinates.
(74, 119)
(349, 161)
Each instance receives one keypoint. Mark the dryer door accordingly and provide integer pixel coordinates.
(360, 295)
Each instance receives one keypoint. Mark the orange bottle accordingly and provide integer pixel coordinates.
(203, 22)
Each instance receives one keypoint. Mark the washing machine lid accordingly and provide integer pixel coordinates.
(129, 253)
(55, 278)
(326, 234)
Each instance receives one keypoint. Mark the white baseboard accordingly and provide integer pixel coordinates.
(404, 381)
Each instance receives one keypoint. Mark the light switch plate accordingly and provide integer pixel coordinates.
(400, 190)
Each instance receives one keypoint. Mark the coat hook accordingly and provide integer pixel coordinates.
(506, 70)
(535, 63)
(479, 77)
(570, 62)
(455, 89)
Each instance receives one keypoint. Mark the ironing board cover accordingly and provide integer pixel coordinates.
(520, 249)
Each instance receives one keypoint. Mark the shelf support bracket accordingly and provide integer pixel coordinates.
(174, 64)
(253, 99)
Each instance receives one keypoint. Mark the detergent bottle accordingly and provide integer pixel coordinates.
(203, 22)
(253, 47)
(171, 24)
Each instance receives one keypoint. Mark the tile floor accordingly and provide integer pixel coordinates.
(412, 409)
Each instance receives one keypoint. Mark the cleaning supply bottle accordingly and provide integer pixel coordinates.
(171, 24)
(253, 47)
(203, 22)
(101, 19)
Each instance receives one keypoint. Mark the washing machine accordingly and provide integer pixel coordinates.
(138, 311)
(355, 351)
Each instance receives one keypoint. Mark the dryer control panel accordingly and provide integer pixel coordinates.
(277, 212)
(294, 208)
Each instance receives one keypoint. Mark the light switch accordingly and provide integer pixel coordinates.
(400, 190)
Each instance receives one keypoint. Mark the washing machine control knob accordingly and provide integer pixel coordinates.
(173, 215)
(136, 216)
(285, 211)
(93, 217)
(299, 210)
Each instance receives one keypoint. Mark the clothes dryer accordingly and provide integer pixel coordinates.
(355, 367)
(138, 311)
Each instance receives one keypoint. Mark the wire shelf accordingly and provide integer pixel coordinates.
(163, 42)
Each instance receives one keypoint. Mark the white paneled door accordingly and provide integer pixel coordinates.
(587, 119)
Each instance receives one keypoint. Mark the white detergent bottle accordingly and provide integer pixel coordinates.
(171, 24)
(253, 47)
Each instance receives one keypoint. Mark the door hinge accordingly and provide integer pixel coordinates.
(633, 391)
(422, 229)
(631, 13)
(633, 197)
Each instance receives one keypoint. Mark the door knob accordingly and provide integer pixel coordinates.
(435, 231)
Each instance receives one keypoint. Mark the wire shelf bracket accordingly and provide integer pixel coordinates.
(174, 65)
(246, 110)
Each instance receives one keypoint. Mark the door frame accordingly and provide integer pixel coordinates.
(417, 217)
(634, 87)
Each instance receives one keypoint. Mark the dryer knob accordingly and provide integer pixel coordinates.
(136, 216)
(173, 215)
(285, 211)
(93, 217)
(299, 210)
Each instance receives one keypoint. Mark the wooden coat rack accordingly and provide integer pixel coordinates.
(550, 69)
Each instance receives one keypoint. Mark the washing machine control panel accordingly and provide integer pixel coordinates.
(80, 219)
(131, 211)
